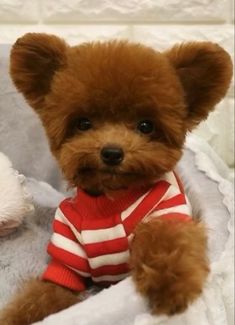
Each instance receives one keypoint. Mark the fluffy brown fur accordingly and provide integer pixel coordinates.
(49, 297)
(116, 85)
(173, 264)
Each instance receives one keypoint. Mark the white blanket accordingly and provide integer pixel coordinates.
(211, 194)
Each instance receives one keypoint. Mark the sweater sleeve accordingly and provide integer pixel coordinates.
(69, 264)
(60, 274)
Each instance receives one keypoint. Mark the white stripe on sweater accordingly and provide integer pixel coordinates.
(100, 235)
(68, 245)
(176, 209)
(109, 259)
(110, 278)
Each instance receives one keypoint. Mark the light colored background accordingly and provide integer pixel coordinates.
(159, 23)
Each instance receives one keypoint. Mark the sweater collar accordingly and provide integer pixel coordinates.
(103, 206)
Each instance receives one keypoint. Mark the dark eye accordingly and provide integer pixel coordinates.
(145, 126)
(83, 124)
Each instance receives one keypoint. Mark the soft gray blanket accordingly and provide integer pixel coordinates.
(23, 253)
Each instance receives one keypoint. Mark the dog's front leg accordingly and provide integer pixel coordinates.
(169, 263)
(36, 300)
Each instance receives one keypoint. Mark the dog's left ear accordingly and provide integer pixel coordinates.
(35, 59)
(205, 71)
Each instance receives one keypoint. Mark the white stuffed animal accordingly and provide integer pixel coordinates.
(15, 202)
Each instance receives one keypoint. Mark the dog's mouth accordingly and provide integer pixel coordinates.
(106, 171)
(96, 181)
(102, 179)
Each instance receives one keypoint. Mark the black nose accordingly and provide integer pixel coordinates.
(112, 155)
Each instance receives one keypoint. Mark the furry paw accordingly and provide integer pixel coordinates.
(36, 300)
(169, 263)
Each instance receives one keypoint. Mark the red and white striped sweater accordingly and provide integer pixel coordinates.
(92, 234)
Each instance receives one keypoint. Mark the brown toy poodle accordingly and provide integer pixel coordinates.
(116, 115)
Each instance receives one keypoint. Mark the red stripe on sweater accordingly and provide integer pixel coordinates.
(104, 223)
(110, 270)
(64, 230)
(172, 202)
(151, 200)
(68, 258)
(107, 247)
(68, 209)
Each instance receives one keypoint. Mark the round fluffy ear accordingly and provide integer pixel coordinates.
(34, 59)
(205, 71)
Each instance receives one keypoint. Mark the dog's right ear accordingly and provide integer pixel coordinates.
(34, 60)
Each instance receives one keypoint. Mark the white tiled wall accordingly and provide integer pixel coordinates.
(159, 23)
